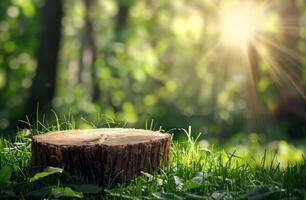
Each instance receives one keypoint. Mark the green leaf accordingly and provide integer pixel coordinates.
(40, 192)
(47, 172)
(301, 192)
(167, 196)
(159, 181)
(179, 183)
(151, 177)
(191, 185)
(196, 181)
(7, 194)
(261, 192)
(222, 196)
(87, 188)
(57, 192)
(195, 196)
(5, 174)
(121, 196)
(200, 177)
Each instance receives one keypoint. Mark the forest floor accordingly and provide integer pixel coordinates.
(194, 172)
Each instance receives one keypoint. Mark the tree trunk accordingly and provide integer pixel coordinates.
(88, 51)
(291, 110)
(122, 16)
(290, 16)
(43, 88)
(102, 155)
(120, 26)
(255, 116)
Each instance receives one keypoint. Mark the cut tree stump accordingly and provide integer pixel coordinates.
(102, 155)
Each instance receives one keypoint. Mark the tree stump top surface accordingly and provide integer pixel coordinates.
(103, 136)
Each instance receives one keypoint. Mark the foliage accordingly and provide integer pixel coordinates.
(161, 64)
(193, 173)
(164, 60)
(47, 172)
(18, 29)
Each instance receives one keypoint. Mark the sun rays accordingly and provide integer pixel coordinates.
(250, 31)
(280, 71)
(244, 25)
(238, 24)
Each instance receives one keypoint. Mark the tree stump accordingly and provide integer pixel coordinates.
(102, 156)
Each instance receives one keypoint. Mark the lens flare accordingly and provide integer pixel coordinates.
(238, 24)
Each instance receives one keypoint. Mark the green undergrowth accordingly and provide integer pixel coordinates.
(193, 172)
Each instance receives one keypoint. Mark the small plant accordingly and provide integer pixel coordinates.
(193, 173)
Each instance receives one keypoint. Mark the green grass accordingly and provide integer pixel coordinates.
(193, 173)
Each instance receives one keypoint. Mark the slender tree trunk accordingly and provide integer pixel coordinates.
(80, 60)
(90, 4)
(255, 114)
(43, 88)
(4, 90)
(8, 79)
(121, 23)
(88, 52)
(291, 111)
(290, 16)
(120, 26)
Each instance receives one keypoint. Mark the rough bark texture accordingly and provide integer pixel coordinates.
(102, 156)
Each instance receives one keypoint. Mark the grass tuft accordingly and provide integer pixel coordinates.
(193, 172)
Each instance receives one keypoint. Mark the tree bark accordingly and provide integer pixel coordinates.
(102, 155)
(43, 87)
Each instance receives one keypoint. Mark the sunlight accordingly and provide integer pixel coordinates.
(245, 25)
(238, 24)
(278, 72)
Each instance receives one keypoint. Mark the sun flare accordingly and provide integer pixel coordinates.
(238, 24)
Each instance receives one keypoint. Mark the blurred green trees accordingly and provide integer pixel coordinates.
(18, 31)
(136, 60)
